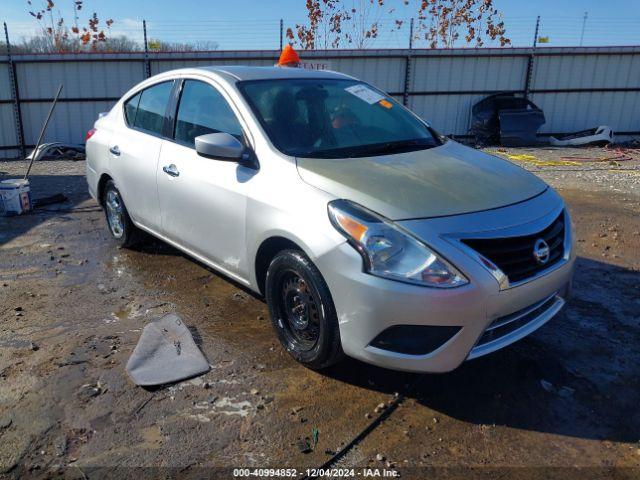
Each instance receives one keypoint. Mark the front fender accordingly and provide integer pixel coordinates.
(306, 225)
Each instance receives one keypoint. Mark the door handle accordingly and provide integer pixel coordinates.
(115, 150)
(171, 170)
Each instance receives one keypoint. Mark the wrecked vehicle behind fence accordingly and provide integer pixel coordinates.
(506, 119)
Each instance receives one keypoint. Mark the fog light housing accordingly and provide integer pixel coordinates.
(414, 339)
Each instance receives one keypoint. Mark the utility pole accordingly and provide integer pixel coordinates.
(584, 25)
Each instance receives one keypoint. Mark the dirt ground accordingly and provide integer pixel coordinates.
(563, 402)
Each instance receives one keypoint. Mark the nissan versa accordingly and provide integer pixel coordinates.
(368, 233)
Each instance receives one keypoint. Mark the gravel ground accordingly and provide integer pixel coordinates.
(560, 403)
(591, 169)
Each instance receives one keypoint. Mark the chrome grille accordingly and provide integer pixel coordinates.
(510, 328)
(510, 323)
(515, 255)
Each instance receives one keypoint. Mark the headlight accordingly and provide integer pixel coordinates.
(388, 251)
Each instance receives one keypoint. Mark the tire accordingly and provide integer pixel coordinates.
(119, 223)
(302, 311)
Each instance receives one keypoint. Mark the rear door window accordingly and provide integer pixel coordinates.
(130, 109)
(148, 114)
(203, 110)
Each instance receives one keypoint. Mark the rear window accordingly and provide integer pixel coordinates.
(130, 109)
(146, 110)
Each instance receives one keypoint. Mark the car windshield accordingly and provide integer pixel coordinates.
(333, 118)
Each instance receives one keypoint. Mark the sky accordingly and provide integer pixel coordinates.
(244, 24)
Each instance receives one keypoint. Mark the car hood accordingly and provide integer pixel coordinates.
(447, 180)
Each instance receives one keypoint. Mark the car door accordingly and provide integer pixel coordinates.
(135, 148)
(203, 200)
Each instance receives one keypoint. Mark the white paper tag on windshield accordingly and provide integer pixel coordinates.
(365, 93)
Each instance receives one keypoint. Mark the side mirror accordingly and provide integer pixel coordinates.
(221, 146)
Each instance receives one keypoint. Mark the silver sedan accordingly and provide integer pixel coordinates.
(367, 232)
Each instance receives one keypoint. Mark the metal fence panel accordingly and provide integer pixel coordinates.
(5, 86)
(568, 112)
(481, 73)
(82, 79)
(7, 131)
(577, 88)
(447, 114)
(69, 124)
(587, 71)
(385, 73)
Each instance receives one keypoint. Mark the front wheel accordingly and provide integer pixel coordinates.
(120, 225)
(302, 311)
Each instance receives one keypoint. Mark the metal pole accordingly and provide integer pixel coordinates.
(535, 37)
(407, 68)
(44, 128)
(527, 85)
(584, 25)
(15, 96)
(147, 65)
(411, 34)
(281, 33)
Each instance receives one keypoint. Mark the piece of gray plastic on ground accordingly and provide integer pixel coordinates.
(58, 150)
(602, 135)
(165, 353)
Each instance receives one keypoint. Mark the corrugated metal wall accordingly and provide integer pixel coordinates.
(577, 87)
(7, 125)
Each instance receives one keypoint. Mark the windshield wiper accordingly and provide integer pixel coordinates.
(388, 148)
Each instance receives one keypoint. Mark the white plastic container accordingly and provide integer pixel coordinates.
(15, 196)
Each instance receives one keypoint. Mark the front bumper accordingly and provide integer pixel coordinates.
(368, 305)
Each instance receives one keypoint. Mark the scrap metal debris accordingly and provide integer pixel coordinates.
(600, 136)
(90, 390)
(58, 151)
(165, 353)
(506, 119)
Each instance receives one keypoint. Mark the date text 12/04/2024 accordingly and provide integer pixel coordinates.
(316, 472)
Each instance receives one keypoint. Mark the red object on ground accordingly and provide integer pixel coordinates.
(288, 57)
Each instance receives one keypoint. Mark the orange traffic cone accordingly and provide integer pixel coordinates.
(289, 57)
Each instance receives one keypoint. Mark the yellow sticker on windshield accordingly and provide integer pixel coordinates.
(385, 103)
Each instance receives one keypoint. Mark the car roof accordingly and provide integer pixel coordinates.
(240, 72)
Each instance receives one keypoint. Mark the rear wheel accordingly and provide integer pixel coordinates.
(302, 311)
(120, 225)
